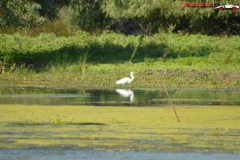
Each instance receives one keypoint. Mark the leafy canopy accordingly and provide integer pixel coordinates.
(29, 13)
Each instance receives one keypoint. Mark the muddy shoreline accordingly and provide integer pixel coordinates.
(149, 78)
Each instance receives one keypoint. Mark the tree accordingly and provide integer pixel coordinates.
(50, 8)
(88, 15)
(27, 13)
(130, 16)
(164, 15)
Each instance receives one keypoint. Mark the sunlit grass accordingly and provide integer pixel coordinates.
(98, 61)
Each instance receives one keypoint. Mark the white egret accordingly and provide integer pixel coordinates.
(126, 80)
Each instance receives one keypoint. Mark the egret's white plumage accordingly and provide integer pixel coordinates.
(126, 93)
(126, 80)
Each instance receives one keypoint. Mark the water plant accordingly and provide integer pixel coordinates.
(58, 120)
(202, 129)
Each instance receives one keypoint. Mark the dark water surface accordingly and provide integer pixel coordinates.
(118, 97)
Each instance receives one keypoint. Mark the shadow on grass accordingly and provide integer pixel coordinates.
(102, 53)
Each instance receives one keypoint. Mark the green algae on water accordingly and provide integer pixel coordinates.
(202, 129)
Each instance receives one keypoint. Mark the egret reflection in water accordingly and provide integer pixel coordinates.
(126, 93)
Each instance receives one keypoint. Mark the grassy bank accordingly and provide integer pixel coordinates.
(201, 129)
(88, 61)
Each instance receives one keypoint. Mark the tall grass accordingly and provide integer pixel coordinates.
(82, 63)
(51, 53)
(136, 46)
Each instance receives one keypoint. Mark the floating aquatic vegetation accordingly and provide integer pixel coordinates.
(202, 129)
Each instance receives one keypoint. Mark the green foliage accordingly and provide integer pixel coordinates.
(97, 15)
(159, 15)
(25, 13)
(88, 15)
(20, 13)
(59, 27)
(51, 8)
(79, 53)
(136, 47)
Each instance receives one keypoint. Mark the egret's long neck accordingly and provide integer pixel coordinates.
(132, 77)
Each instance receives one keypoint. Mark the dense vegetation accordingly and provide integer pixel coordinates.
(87, 60)
(76, 42)
(96, 15)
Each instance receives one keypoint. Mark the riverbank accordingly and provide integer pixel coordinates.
(89, 61)
(144, 78)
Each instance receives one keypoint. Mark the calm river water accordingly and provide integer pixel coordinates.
(114, 97)
(55, 154)
(118, 97)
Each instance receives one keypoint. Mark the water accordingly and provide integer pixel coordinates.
(118, 97)
(114, 97)
(57, 154)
